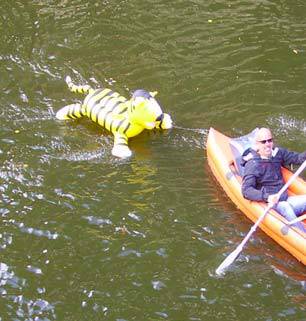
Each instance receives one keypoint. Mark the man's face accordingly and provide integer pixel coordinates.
(264, 143)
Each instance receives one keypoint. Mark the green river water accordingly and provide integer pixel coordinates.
(86, 236)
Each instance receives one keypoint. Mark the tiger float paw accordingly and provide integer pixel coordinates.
(167, 122)
(121, 151)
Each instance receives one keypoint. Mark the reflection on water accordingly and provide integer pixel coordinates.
(87, 236)
(295, 128)
(24, 307)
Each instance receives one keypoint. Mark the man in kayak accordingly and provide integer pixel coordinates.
(262, 178)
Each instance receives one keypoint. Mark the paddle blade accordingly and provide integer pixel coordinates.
(228, 261)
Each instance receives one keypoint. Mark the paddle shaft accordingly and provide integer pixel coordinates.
(298, 219)
(231, 258)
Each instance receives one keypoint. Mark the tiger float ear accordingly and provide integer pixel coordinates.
(153, 93)
(144, 109)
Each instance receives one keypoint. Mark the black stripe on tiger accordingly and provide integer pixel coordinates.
(104, 120)
(111, 125)
(126, 128)
(98, 105)
(81, 89)
(92, 95)
(120, 123)
(95, 115)
(123, 110)
(117, 103)
(107, 113)
(99, 100)
(122, 141)
(98, 115)
(71, 112)
(107, 99)
(77, 111)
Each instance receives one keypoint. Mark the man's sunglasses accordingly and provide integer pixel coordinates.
(270, 140)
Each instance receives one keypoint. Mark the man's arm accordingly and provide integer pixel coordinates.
(248, 188)
(292, 157)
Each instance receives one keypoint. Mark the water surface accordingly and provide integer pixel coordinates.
(85, 236)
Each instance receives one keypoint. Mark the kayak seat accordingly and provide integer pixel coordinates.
(238, 166)
(239, 146)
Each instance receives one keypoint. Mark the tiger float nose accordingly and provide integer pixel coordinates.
(160, 117)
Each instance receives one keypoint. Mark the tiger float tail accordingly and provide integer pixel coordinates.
(123, 118)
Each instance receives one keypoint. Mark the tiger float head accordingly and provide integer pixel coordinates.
(145, 111)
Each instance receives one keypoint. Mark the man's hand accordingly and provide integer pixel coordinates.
(273, 199)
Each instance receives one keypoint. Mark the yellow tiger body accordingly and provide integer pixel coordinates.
(123, 118)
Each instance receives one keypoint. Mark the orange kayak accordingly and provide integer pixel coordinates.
(223, 158)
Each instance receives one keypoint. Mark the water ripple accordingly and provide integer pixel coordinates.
(119, 234)
(23, 307)
(36, 232)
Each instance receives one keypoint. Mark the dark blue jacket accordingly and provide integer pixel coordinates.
(263, 177)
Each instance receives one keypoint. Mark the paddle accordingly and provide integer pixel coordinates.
(298, 219)
(285, 228)
(231, 258)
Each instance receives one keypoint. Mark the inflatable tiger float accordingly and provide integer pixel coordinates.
(124, 118)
